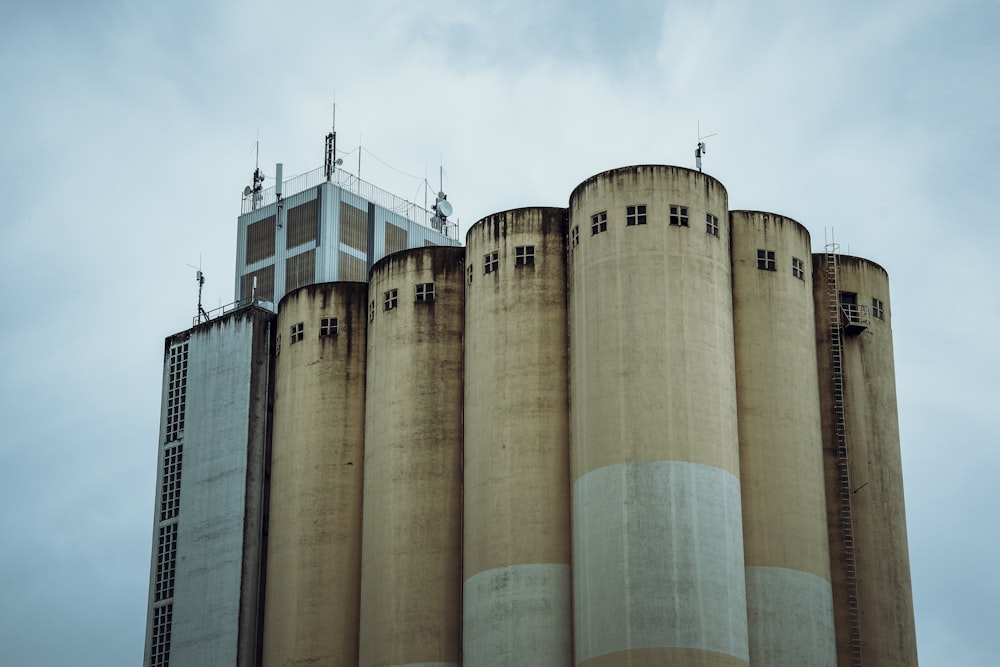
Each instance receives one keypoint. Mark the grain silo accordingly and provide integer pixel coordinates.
(314, 545)
(865, 511)
(658, 569)
(411, 578)
(517, 600)
(789, 603)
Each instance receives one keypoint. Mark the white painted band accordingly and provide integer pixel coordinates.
(518, 615)
(658, 559)
(790, 615)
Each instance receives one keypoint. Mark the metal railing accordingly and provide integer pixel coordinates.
(351, 183)
(210, 315)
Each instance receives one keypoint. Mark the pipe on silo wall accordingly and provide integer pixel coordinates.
(881, 554)
(517, 591)
(789, 599)
(314, 547)
(658, 570)
(411, 576)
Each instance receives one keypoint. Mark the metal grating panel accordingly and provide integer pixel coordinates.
(260, 240)
(353, 227)
(302, 224)
(300, 270)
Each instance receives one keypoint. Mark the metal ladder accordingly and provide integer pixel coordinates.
(844, 490)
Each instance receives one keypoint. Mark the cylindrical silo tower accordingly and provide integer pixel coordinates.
(411, 577)
(658, 571)
(789, 601)
(869, 557)
(314, 543)
(517, 600)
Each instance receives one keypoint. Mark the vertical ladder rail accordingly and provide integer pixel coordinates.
(844, 490)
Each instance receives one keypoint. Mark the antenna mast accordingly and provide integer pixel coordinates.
(331, 162)
(700, 150)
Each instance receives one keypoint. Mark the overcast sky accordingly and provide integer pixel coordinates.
(129, 132)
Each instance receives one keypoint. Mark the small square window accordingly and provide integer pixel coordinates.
(599, 223)
(679, 215)
(491, 262)
(798, 268)
(524, 255)
(765, 260)
(371, 311)
(424, 293)
(635, 215)
(468, 272)
(327, 326)
(711, 224)
(574, 236)
(296, 333)
(390, 299)
(878, 309)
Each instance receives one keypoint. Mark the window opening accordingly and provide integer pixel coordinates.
(524, 255)
(491, 262)
(574, 236)
(635, 215)
(679, 215)
(297, 331)
(424, 293)
(878, 308)
(798, 268)
(599, 223)
(766, 261)
(390, 299)
(711, 224)
(327, 327)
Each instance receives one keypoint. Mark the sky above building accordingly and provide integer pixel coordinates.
(130, 130)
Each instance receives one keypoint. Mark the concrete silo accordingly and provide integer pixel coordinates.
(411, 577)
(517, 601)
(789, 600)
(314, 545)
(658, 571)
(873, 602)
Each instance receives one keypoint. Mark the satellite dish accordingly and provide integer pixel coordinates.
(247, 190)
(444, 208)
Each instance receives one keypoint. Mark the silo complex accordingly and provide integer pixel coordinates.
(866, 514)
(411, 579)
(658, 569)
(789, 602)
(639, 430)
(314, 547)
(517, 601)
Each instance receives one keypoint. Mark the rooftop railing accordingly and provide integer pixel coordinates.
(353, 184)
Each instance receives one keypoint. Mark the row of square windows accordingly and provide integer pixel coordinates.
(329, 326)
(524, 255)
(635, 215)
(766, 261)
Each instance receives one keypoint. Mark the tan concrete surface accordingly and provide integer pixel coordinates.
(411, 579)
(653, 380)
(781, 448)
(516, 465)
(314, 547)
(664, 657)
(882, 555)
(651, 329)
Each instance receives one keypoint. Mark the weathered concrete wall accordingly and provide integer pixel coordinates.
(888, 636)
(517, 606)
(411, 578)
(314, 544)
(658, 568)
(789, 602)
(219, 520)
